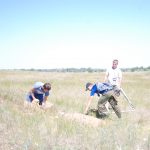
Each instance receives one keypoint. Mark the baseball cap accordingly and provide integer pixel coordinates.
(87, 85)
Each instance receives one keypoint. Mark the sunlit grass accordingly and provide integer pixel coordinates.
(34, 128)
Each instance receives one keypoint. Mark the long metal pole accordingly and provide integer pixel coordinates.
(128, 100)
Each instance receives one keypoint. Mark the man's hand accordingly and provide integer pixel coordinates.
(88, 105)
(85, 113)
(35, 100)
(43, 104)
(116, 90)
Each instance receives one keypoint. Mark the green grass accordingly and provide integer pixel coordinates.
(35, 129)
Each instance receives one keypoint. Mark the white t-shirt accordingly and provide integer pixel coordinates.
(114, 76)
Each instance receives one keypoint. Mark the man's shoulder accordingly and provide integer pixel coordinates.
(100, 84)
(94, 87)
(109, 69)
(93, 90)
(118, 70)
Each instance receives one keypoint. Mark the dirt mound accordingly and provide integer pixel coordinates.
(83, 119)
(36, 105)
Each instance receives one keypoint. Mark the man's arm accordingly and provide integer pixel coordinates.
(32, 94)
(119, 82)
(44, 101)
(119, 79)
(88, 104)
(45, 98)
(106, 77)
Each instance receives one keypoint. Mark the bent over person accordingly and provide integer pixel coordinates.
(39, 93)
(109, 94)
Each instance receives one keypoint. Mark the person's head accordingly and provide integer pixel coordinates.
(88, 86)
(47, 87)
(114, 63)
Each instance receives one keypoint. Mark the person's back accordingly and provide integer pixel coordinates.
(38, 88)
(99, 88)
(103, 87)
(107, 95)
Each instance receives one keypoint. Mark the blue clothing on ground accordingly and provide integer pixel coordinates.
(100, 88)
(40, 97)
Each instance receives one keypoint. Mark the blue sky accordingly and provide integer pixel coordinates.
(74, 33)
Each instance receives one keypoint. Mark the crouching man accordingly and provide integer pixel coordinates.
(39, 93)
(107, 93)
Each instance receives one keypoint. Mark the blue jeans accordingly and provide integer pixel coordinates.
(40, 97)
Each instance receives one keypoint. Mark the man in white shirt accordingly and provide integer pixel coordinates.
(114, 77)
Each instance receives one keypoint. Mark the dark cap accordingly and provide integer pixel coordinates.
(87, 85)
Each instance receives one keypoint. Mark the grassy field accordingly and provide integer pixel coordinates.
(35, 129)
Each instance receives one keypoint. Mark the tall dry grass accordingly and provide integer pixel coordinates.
(36, 129)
